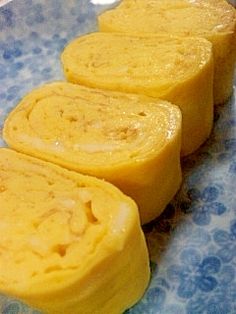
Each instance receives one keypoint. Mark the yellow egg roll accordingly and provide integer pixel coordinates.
(130, 140)
(69, 243)
(214, 20)
(179, 70)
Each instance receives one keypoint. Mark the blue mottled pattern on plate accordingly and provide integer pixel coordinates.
(193, 244)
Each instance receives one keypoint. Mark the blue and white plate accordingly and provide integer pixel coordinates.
(193, 244)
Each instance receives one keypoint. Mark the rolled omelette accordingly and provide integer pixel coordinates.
(129, 140)
(214, 20)
(69, 243)
(179, 70)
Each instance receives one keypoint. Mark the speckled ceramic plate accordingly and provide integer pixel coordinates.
(193, 245)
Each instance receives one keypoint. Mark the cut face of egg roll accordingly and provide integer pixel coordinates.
(214, 20)
(175, 69)
(69, 243)
(130, 140)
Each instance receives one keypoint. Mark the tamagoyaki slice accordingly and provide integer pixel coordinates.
(69, 243)
(132, 141)
(214, 20)
(179, 70)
